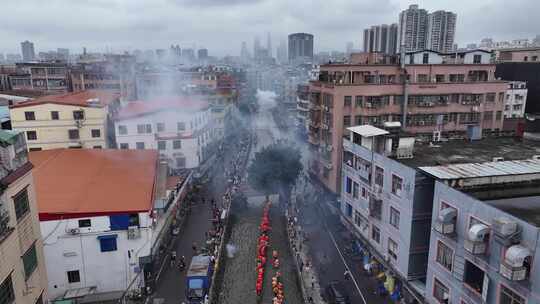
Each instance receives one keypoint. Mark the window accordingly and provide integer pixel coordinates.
(440, 78)
(139, 145)
(376, 234)
(422, 78)
(379, 176)
(73, 276)
(356, 190)
(29, 115)
(107, 242)
(29, 261)
(55, 115)
(488, 115)
(144, 128)
(394, 217)
(392, 248)
(122, 130)
(508, 296)
(160, 127)
(517, 107)
(477, 59)
(457, 77)
(358, 218)
(22, 205)
(348, 185)
(526, 58)
(181, 162)
(349, 209)
(425, 58)
(96, 147)
(96, 133)
(162, 145)
(358, 120)
(364, 193)
(397, 185)
(177, 144)
(474, 277)
(440, 291)
(445, 255)
(499, 115)
(7, 296)
(73, 134)
(35, 149)
(124, 146)
(358, 101)
(347, 101)
(490, 97)
(411, 59)
(31, 135)
(181, 126)
(78, 115)
(134, 219)
(85, 223)
(347, 120)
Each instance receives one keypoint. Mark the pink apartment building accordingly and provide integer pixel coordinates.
(448, 96)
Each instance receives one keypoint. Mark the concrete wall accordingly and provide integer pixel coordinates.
(199, 134)
(108, 271)
(25, 234)
(468, 207)
(53, 134)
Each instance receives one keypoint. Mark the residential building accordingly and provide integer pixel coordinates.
(300, 48)
(73, 120)
(393, 195)
(413, 29)
(23, 278)
(531, 54)
(202, 54)
(180, 128)
(103, 216)
(515, 101)
(27, 50)
(302, 109)
(381, 38)
(420, 30)
(40, 76)
(485, 236)
(116, 74)
(444, 93)
(441, 28)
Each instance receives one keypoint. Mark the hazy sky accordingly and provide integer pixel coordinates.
(221, 25)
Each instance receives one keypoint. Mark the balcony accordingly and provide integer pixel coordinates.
(5, 228)
(513, 273)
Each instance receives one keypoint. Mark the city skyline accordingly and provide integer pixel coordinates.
(168, 21)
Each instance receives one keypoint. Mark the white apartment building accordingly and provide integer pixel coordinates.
(515, 101)
(181, 129)
(101, 213)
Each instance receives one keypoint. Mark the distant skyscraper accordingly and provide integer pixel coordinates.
(349, 47)
(244, 53)
(256, 48)
(269, 44)
(381, 38)
(300, 47)
(440, 31)
(62, 54)
(202, 54)
(281, 53)
(27, 49)
(413, 28)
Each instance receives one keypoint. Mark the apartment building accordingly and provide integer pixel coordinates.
(515, 101)
(485, 236)
(441, 29)
(449, 94)
(73, 120)
(40, 76)
(381, 38)
(23, 278)
(528, 54)
(115, 73)
(103, 215)
(180, 128)
(391, 200)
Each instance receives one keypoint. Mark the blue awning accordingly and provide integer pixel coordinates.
(107, 237)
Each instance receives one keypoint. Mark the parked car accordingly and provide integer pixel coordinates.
(335, 293)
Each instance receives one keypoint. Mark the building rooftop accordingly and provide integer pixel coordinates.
(367, 130)
(81, 99)
(140, 108)
(83, 182)
(525, 49)
(525, 208)
(462, 151)
(487, 169)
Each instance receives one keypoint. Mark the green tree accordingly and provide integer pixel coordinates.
(275, 169)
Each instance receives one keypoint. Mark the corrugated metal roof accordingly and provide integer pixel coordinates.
(367, 130)
(471, 170)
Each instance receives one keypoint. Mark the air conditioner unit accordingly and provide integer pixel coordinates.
(506, 231)
(134, 232)
(498, 159)
(475, 242)
(513, 266)
(74, 231)
(421, 123)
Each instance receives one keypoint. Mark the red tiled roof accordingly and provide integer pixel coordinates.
(75, 99)
(84, 182)
(140, 108)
